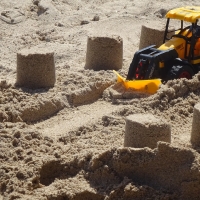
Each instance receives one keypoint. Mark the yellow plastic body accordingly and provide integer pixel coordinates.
(188, 13)
(175, 43)
(178, 44)
(146, 86)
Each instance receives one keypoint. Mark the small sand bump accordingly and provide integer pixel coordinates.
(35, 68)
(145, 130)
(104, 53)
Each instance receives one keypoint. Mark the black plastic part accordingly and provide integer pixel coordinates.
(166, 30)
(193, 41)
(176, 71)
(154, 56)
(135, 61)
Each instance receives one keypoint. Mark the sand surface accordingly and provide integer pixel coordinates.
(66, 142)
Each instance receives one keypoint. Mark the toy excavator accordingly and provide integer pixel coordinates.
(177, 57)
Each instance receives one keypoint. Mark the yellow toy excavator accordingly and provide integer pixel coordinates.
(177, 57)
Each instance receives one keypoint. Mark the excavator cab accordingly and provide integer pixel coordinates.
(190, 36)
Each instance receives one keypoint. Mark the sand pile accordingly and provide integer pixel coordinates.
(88, 161)
(115, 173)
(83, 86)
(21, 104)
(29, 105)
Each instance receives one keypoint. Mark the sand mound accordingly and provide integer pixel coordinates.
(84, 86)
(22, 104)
(154, 168)
(18, 104)
(115, 173)
(35, 68)
(104, 53)
(167, 96)
(73, 168)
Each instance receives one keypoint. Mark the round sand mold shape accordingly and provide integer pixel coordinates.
(145, 130)
(104, 53)
(35, 68)
(151, 36)
(195, 134)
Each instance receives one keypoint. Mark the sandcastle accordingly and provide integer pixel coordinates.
(35, 68)
(145, 130)
(152, 36)
(195, 134)
(104, 53)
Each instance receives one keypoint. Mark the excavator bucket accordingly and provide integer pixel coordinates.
(146, 86)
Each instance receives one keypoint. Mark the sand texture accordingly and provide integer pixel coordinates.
(35, 68)
(145, 130)
(104, 53)
(65, 139)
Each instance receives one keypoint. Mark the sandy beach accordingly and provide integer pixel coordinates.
(67, 141)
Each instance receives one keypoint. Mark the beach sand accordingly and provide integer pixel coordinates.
(67, 141)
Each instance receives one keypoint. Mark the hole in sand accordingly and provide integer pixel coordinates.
(49, 172)
(54, 169)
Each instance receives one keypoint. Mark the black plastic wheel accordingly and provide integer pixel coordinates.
(180, 71)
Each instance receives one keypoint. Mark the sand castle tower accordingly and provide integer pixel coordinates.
(153, 34)
(35, 68)
(195, 134)
(104, 53)
(145, 130)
